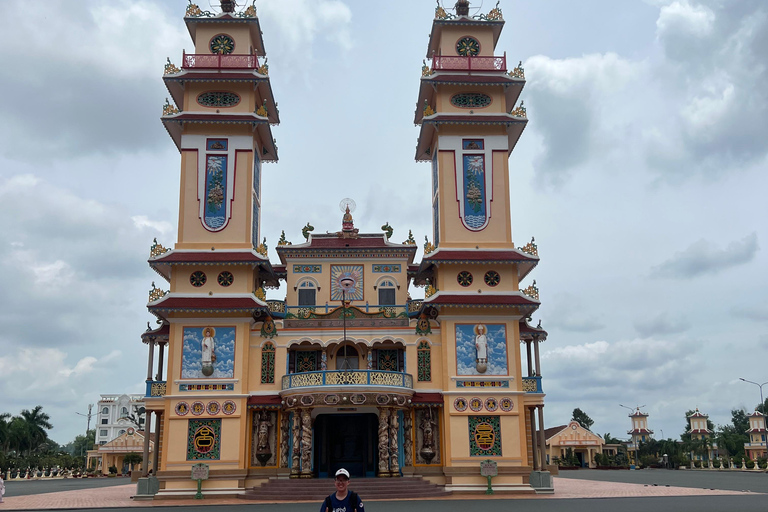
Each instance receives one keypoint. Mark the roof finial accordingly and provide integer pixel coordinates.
(228, 5)
(462, 8)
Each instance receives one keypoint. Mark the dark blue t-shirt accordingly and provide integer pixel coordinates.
(343, 505)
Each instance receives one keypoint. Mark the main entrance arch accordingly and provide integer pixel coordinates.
(346, 441)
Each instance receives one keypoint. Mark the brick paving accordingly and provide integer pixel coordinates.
(120, 496)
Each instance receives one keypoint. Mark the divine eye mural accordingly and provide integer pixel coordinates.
(481, 349)
(341, 272)
(208, 353)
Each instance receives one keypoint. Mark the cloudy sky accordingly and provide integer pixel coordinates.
(641, 174)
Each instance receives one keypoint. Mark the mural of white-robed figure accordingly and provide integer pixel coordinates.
(208, 352)
(481, 349)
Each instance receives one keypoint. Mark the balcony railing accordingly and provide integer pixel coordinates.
(218, 61)
(754, 445)
(387, 311)
(348, 378)
(532, 385)
(459, 63)
(155, 388)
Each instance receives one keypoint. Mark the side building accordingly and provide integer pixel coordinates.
(116, 413)
(347, 370)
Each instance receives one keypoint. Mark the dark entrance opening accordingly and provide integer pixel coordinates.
(346, 441)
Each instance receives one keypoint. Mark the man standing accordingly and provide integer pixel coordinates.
(343, 500)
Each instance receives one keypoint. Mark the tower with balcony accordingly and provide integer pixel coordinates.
(755, 448)
(219, 116)
(704, 447)
(470, 121)
(640, 432)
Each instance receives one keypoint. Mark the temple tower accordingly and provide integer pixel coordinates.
(219, 116)
(469, 125)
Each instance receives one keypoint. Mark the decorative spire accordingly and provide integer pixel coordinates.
(462, 8)
(228, 5)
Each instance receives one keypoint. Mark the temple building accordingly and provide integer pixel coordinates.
(640, 433)
(347, 370)
(581, 441)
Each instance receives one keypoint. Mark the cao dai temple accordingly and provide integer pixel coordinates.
(346, 371)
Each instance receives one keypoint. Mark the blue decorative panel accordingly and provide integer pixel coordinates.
(475, 194)
(216, 200)
(473, 341)
(209, 352)
(482, 383)
(216, 144)
(307, 269)
(385, 269)
(340, 272)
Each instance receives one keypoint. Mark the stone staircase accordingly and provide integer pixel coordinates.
(368, 489)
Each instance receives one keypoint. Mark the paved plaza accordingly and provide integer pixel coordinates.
(587, 490)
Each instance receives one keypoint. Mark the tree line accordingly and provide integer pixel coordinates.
(24, 442)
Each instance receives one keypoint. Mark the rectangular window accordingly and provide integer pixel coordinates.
(104, 421)
(387, 297)
(307, 297)
(103, 433)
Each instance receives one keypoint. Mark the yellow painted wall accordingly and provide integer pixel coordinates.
(451, 35)
(205, 33)
(498, 99)
(244, 90)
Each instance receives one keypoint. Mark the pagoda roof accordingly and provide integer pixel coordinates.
(444, 256)
(224, 18)
(427, 90)
(429, 125)
(700, 431)
(335, 244)
(198, 303)
(174, 123)
(175, 85)
(496, 300)
(160, 334)
(530, 333)
(163, 263)
(756, 414)
(640, 431)
(463, 21)
(697, 414)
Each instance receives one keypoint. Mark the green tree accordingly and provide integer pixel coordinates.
(133, 458)
(610, 439)
(584, 420)
(81, 444)
(36, 423)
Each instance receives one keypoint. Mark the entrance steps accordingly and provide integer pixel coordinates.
(368, 488)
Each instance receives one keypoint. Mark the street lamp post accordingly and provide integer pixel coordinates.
(87, 428)
(762, 404)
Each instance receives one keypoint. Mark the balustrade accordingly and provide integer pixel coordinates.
(467, 63)
(348, 378)
(219, 61)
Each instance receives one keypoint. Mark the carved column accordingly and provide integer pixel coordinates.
(151, 344)
(536, 353)
(160, 357)
(284, 433)
(306, 443)
(529, 358)
(145, 460)
(542, 439)
(394, 427)
(407, 438)
(296, 443)
(156, 452)
(383, 442)
(534, 445)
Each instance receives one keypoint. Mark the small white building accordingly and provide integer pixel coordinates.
(115, 413)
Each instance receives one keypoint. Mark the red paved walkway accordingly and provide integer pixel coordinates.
(120, 496)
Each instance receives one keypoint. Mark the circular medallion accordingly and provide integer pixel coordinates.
(197, 279)
(182, 408)
(213, 408)
(468, 47)
(460, 404)
(506, 404)
(215, 99)
(229, 407)
(464, 278)
(131, 431)
(492, 278)
(222, 44)
(470, 100)
(198, 408)
(491, 404)
(225, 278)
(475, 404)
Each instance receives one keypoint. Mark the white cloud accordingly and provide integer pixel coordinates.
(696, 20)
(704, 257)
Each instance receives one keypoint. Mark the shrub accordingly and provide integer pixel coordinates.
(716, 464)
(750, 464)
(762, 463)
(112, 470)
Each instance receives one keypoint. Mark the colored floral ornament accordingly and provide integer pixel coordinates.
(464, 278)
(168, 109)
(531, 247)
(169, 68)
(260, 293)
(428, 111)
(428, 246)
(225, 278)
(532, 291)
(422, 325)
(264, 68)
(520, 111)
(156, 249)
(156, 293)
(492, 278)
(262, 248)
(197, 279)
(518, 72)
(262, 110)
(193, 11)
(222, 44)
(468, 47)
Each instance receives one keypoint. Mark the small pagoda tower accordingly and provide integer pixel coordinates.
(219, 116)
(699, 430)
(756, 447)
(640, 432)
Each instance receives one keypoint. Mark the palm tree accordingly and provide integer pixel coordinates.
(36, 423)
(5, 432)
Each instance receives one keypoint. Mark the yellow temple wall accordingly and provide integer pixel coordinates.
(245, 91)
(498, 100)
(451, 35)
(241, 35)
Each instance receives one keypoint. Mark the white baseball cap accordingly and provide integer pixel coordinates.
(344, 472)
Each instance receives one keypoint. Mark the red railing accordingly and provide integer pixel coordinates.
(217, 61)
(458, 63)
